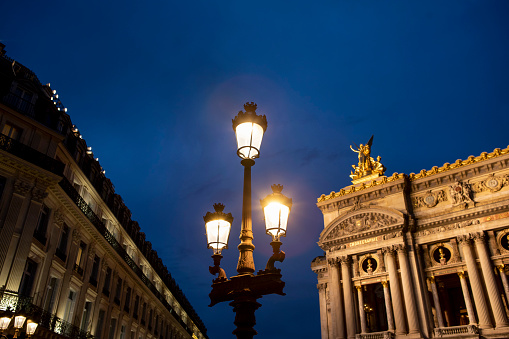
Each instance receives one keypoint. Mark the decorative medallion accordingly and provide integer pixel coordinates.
(442, 255)
(504, 241)
(431, 199)
(369, 265)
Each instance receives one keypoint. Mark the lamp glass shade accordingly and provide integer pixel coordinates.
(19, 321)
(218, 232)
(249, 139)
(4, 323)
(31, 327)
(276, 219)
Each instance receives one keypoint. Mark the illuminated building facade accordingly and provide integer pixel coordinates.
(417, 256)
(70, 254)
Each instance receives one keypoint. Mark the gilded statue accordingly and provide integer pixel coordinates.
(367, 168)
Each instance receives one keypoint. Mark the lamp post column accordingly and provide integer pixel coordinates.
(246, 247)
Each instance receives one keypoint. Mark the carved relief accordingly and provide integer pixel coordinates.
(22, 187)
(430, 199)
(76, 235)
(360, 223)
(58, 218)
(38, 194)
(460, 193)
(447, 227)
(503, 241)
(493, 183)
(369, 264)
(442, 254)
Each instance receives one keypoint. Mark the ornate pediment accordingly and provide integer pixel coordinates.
(361, 222)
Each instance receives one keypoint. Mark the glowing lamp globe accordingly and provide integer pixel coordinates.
(19, 321)
(249, 129)
(276, 209)
(4, 323)
(217, 228)
(31, 327)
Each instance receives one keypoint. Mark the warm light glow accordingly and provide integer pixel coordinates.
(249, 139)
(276, 219)
(218, 232)
(4, 323)
(31, 327)
(19, 321)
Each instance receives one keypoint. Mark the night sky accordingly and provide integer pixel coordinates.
(153, 86)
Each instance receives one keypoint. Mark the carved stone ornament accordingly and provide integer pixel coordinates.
(460, 193)
(446, 228)
(492, 183)
(502, 241)
(58, 218)
(91, 250)
(442, 254)
(369, 264)
(322, 286)
(430, 199)
(22, 187)
(76, 235)
(38, 194)
(360, 223)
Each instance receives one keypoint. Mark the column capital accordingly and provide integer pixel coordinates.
(431, 279)
(321, 286)
(501, 268)
(401, 248)
(464, 239)
(358, 287)
(332, 261)
(478, 236)
(58, 218)
(76, 235)
(345, 260)
(461, 275)
(388, 250)
(22, 187)
(38, 194)
(385, 283)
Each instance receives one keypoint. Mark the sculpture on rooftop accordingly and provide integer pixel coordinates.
(367, 168)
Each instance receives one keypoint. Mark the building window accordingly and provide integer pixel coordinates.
(28, 277)
(127, 299)
(61, 251)
(136, 306)
(118, 291)
(51, 293)
(122, 332)
(11, 131)
(113, 325)
(78, 264)
(100, 323)
(107, 282)
(69, 306)
(42, 225)
(143, 311)
(95, 271)
(86, 315)
(150, 320)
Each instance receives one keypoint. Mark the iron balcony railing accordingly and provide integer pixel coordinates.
(92, 217)
(19, 104)
(29, 154)
(22, 304)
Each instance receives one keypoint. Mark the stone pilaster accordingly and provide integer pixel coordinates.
(408, 290)
(388, 307)
(503, 277)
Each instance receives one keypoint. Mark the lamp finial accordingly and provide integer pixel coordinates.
(276, 188)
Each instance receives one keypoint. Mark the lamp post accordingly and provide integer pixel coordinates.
(245, 288)
(19, 320)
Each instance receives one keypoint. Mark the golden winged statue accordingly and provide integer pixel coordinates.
(367, 168)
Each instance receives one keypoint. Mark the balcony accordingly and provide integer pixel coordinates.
(47, 320)
(465, 331)
(31, 155)
(376, 335)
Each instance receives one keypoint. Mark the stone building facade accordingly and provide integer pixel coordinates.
(418, 256)
(70, 254)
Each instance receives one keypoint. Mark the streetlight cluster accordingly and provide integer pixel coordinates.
(245, 288)
(19, 320)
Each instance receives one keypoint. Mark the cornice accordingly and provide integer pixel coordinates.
(497, 152)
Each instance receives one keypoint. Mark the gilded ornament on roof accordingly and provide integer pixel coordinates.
(367, 168)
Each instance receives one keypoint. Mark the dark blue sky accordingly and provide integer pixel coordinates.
(153, 87)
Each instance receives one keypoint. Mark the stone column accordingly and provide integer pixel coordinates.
(362, 314)
(346, 265)
(436, 301)
(468, 301)
(503, 277)
(397, 304)
(408, 290)
(337, 313)
(323, 310)
(475, 282)
(489, 278)
(388, 307)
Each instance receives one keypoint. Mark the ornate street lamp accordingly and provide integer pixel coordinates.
(245, 288)
(19, 320)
